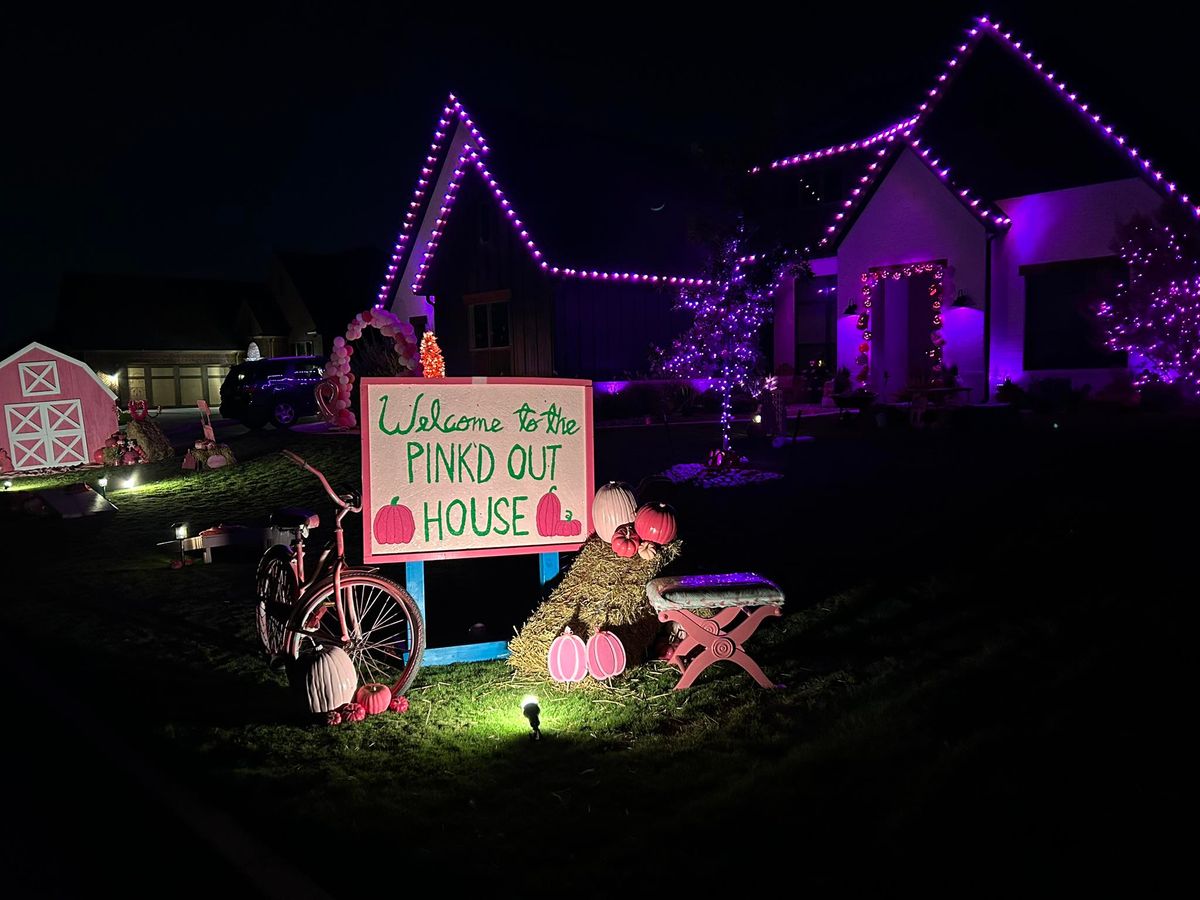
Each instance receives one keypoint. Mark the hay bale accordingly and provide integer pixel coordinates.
(598, 590)
(147, 435)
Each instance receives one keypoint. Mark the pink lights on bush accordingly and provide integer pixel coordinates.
(470, 154)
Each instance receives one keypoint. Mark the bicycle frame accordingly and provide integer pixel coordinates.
(345, 615)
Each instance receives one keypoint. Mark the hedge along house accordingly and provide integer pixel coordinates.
(591, 301)
(168, 341)
(999, 199)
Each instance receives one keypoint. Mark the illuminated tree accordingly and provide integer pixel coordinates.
(1154, 315)
(728, 313)
(432, 364)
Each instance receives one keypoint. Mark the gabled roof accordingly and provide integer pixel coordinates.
(909, 132)
(456, 148)
(334, 287)
(34, 345)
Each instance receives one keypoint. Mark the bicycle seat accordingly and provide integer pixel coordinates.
(293, 517)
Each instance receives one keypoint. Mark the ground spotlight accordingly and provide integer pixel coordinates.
(532, 711)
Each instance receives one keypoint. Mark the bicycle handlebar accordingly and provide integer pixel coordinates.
(333, 495)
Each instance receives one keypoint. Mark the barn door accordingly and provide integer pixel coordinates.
(46, 434)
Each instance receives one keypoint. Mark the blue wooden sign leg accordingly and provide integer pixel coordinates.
(414, 579)
(547, 567)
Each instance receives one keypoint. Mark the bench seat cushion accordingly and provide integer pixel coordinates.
(712, 591)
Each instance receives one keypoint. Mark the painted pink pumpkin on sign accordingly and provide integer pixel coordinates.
(567, 659)
(605, 655)
(394, 523)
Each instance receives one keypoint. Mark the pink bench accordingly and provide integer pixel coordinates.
(738, 604)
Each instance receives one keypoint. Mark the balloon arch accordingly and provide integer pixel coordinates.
(334, 392)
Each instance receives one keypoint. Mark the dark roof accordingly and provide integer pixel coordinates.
(126, 312)
(335, 286)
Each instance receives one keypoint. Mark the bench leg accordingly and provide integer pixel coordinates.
(711, 635)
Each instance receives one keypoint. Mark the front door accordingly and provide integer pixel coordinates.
(46, 434)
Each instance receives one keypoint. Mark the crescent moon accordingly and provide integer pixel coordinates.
(658, 208)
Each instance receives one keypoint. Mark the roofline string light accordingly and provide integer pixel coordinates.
(986, 26)
(472, 152)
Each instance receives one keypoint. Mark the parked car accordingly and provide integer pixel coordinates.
(278, 390)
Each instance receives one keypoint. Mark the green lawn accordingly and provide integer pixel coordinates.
(983, 656)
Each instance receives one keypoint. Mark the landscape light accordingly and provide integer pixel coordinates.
(7, 484)
(180, 530)
(757, 418)
(532, 711)
(130, 481)
(102, 483)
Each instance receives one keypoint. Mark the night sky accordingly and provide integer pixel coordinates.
(195, 144)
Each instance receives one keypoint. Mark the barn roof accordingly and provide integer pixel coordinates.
(42, 348)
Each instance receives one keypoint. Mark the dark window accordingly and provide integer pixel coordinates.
(489, 325)
(302, 348)
(418, 323)
(1061, 328)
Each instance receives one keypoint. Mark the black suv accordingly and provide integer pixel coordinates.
(278, 390)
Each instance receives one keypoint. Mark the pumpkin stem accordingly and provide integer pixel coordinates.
(553, 488)
(568, 515)
(395, 501)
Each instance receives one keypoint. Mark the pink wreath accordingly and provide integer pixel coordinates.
(333, 394)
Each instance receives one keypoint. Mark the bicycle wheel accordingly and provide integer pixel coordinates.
(278, 590)
(391, 634)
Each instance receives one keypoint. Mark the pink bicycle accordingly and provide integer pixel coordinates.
(353, 607)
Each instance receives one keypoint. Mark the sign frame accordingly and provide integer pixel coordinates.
(371, 558)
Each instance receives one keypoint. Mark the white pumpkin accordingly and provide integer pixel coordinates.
(329, 679)
(613, 506)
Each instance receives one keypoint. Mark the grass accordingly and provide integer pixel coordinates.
(985, 665)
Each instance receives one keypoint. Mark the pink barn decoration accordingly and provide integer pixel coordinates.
(57, 412)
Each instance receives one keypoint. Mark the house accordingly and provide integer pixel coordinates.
(57, 412)
(1009, 231)
(169, 341)
(591, 302)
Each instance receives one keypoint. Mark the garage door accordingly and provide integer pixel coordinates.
(46, 434)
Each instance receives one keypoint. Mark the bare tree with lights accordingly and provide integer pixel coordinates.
(728, 313)
(1154, 314)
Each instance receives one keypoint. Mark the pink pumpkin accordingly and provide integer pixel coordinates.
(656, 522)
(394, 524)
(549, 513)
(374, 698)
(570, 528)
(605, 655)
(567, 659)
(625, 542)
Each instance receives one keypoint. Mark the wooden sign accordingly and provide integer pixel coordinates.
(459, 467)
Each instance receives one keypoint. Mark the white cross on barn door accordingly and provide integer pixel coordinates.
(46, 434)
